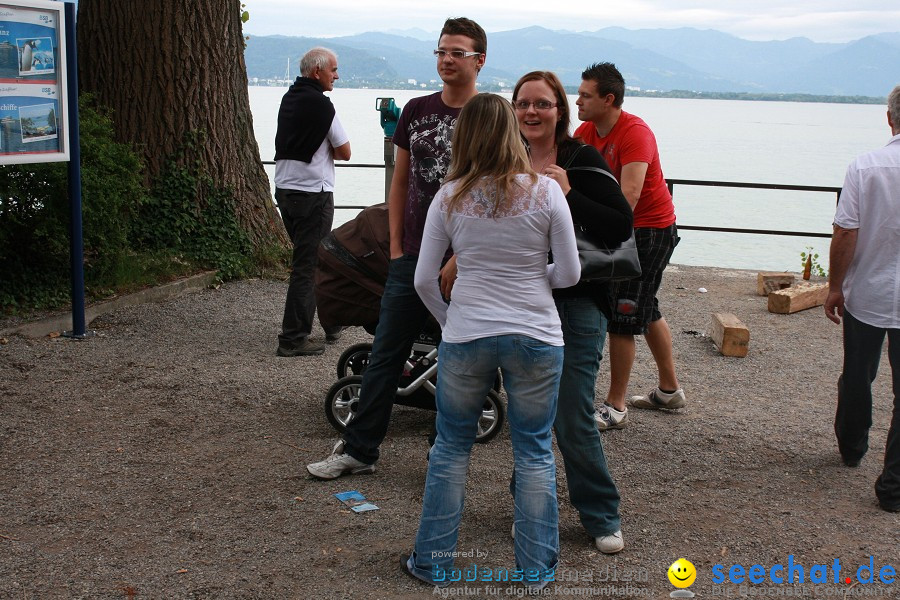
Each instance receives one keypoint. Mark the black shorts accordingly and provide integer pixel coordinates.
(635, 305)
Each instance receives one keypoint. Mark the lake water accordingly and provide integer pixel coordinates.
(719, 140)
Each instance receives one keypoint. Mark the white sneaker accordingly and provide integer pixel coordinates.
(512, 532)
(658, 399)
(608, 417)
(610, 544)
(339, 464)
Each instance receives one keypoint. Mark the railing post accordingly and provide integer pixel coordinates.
(388, 166)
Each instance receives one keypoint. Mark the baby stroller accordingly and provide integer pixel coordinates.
(350, 278)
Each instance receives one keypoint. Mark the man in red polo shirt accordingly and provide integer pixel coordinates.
(629, 147)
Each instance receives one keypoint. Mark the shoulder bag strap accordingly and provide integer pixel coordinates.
(572, 158)
(595, 170)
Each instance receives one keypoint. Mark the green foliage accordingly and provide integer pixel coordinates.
(132, 237)
(245, 16)
(186, 212)
(272, 260)
(34, 216)
(813, 258)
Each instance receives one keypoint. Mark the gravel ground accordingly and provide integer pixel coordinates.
(164, 458)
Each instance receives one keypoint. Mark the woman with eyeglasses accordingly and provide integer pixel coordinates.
(596, 203)
(501, 218)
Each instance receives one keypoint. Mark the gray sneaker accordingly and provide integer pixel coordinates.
(658, 399)
(304, 348)
(610, 544)
(339, 464)
(608, 417)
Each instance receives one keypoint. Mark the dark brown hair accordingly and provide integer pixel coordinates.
(468, 28)
(608, 80)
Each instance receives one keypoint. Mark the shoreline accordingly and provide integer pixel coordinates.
(674, 94)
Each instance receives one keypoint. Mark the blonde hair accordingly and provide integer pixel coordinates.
(487, 143)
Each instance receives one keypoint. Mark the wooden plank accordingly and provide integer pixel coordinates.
(797, 298)
(769, 281)
(730, 336)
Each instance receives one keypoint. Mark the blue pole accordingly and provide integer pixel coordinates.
(76, 246)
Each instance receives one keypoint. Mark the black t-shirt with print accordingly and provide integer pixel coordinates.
(425, 128)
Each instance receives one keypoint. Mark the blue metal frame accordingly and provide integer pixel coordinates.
(76, 237)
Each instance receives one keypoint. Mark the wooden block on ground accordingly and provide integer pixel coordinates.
(731, 337)
(801, 297)
(769, 281)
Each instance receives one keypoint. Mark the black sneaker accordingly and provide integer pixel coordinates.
(304, 348)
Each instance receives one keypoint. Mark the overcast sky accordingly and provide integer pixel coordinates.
(818, 20)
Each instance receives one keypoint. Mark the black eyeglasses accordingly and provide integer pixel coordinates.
(455, 54)
(538, 104)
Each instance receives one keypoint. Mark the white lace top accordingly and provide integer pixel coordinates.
(504, 283)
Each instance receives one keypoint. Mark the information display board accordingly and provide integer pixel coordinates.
(33, 109)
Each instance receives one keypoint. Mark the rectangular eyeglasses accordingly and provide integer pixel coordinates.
(455, 54)
(538, 105)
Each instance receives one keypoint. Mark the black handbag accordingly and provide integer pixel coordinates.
(600, 262)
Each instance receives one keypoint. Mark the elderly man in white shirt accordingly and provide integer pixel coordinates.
(864, 289)
(308, 141)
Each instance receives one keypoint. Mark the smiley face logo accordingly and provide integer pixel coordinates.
(682, 573)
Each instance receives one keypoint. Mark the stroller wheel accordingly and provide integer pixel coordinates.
(493, 413)
(354, 360)
(342, 400)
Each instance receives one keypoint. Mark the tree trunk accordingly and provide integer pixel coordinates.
(169, 67)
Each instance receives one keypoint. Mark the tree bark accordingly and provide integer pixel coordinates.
(170, 67)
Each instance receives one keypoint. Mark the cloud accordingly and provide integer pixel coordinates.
(819, 20)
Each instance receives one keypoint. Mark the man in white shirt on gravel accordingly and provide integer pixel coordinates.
(308, 140)
(864, 289)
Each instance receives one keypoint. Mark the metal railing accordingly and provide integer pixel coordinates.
(671, 183)
(757, 186)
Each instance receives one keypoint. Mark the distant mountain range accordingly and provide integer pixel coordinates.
(650, 59)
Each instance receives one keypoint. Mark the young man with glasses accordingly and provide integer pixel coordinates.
(422, 141)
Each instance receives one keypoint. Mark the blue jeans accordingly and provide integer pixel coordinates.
(592, 490)
(466, 372)
(401, 318)
(862, 353)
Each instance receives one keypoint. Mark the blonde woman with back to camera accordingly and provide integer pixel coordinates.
(501, 218)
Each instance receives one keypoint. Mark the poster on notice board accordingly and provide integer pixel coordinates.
(33, 110)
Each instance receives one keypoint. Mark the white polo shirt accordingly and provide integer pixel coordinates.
(870, 202)
(318, 174)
